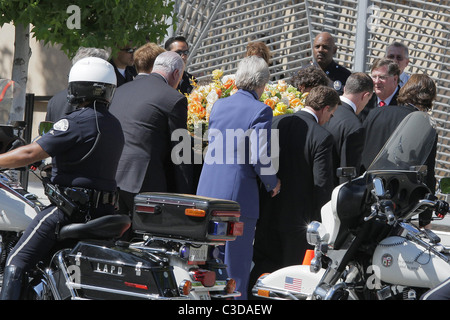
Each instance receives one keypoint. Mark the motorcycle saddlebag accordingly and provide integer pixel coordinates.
(186, 217)
(110, 271)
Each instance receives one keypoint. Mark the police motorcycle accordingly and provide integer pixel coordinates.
(89, 262)
(368, 245)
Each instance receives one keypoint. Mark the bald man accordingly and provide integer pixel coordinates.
(324, 49)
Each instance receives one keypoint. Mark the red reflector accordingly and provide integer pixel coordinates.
(145, 209)
(136, 285)
(235, 228)
(226, 213)
(206, 277)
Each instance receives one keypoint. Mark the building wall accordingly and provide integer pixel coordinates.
(48, 67)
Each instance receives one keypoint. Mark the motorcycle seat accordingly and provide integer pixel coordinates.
(106, 227)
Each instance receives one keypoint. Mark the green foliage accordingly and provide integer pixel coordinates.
(100, 23)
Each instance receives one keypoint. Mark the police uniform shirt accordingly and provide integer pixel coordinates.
(338, 75)
(73, 137)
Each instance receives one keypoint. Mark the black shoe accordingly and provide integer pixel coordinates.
(12, 283)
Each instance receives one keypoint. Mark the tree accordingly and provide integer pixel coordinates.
(81, 23)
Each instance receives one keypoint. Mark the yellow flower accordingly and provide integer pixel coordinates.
(217, 74)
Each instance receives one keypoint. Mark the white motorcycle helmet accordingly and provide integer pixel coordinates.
(91, 79)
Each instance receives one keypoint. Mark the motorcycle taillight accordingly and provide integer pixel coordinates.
(225, 225)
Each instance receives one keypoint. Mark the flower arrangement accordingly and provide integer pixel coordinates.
(283, 98)
(202, 98)
(280, 96)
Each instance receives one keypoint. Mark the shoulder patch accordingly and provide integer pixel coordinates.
(61, 125)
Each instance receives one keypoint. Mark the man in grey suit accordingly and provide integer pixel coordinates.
(150, 109)
(346, 128)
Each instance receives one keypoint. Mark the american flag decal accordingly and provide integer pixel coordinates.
(293, 284)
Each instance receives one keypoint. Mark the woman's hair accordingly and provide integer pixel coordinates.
(420, 91)
(258, 48)
(253, 72)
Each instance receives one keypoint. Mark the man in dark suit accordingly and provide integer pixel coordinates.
(346, 128)
(385, 74)
(305, 170)
(148, 120)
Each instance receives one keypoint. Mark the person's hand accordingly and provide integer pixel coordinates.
(276, 190)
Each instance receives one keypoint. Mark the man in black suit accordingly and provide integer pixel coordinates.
(305, 169)
(385, 74)
(346, 128)
(156, 109)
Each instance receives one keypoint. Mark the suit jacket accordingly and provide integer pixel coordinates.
(58, 106)
(185, 86)
(227, 171)
(373, 104)
(348, 136)
(150, 111)
(379, 125)
(130, 74)
(305, 171)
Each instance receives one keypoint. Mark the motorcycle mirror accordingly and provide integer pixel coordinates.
(44, 127)
(378, 187)
(445, 185)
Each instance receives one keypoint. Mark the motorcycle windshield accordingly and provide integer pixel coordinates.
(409, 145)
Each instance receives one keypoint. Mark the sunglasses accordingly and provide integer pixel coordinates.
(181, 52)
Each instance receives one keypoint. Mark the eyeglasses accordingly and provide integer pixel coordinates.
(181, 52)
(128, 50)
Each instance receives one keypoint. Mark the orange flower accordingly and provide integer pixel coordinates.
(196, 108)
(228, 84)
(295, 102)
(270, 103)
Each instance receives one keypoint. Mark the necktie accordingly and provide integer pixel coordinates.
(382, 103)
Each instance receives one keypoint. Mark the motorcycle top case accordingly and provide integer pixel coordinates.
(186, 217)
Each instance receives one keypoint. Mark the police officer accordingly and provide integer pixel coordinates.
(324, 49)
(85, 147)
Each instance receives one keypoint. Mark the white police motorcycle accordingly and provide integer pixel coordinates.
(368, 245)
(175, 256)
